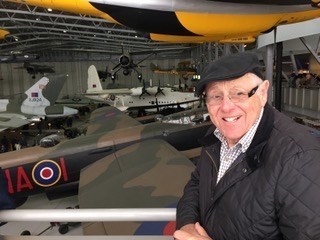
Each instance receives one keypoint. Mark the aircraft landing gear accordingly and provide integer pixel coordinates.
(63, 228)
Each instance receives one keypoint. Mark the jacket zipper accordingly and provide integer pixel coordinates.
(215, 166)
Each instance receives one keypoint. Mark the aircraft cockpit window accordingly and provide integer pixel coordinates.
(49, 141)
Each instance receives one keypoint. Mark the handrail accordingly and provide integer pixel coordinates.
(88, 215)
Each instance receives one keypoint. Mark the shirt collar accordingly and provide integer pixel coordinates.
(246, 140)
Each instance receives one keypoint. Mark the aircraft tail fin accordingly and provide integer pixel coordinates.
(94, 83)
(34, 93)
(44, 92)
(54, 87)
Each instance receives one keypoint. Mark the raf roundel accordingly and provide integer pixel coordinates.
(46, 173)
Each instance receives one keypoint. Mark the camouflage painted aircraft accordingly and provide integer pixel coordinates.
(119, 163)
(193, 20)
(37, 102)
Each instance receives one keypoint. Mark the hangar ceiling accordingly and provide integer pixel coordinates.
(61, 36)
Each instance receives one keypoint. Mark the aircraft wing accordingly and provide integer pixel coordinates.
(124, 91)
(8, 120)
(109, 118)
(149, 174)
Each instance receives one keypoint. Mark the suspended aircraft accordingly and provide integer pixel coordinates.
(127, 65)
(193, 20)
(103, 75)
(137, 98)
(119, 163)
(3, 33)
(34, 69)
(17, 57)
(184, 69)
(37, 102)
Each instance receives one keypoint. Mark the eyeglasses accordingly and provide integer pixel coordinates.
(235, 96)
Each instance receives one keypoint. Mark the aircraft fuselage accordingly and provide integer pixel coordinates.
(192, 20)
(37, 169)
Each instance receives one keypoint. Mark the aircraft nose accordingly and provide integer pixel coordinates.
(69, 111)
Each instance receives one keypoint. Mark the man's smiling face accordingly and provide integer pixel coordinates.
(234, 117)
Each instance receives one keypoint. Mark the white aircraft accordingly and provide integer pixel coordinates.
(36, 103)
(139, 97)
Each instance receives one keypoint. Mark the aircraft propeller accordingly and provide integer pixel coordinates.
(144, 90)
(159, 90)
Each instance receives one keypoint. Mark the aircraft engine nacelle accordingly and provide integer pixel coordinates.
(59, 111)
(126, 72)
(125, 61)
(136, 91)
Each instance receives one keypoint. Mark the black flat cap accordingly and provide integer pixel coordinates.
(228, 68)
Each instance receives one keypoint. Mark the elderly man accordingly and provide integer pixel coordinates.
(258, 176)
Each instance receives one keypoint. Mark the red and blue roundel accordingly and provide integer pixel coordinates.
(157, 228)
(46, 173)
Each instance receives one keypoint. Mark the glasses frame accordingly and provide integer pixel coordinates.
(250, 94)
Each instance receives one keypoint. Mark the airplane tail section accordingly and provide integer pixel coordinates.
(34, 94)
(44, 92)
(54, 87)
(94, 83)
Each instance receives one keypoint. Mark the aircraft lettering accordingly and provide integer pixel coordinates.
(23, 180)
(44, 173)
(35, 99)
(9, 180)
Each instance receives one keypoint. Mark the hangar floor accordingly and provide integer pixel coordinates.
(41, 202)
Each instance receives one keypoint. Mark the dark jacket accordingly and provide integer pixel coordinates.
(270, 192)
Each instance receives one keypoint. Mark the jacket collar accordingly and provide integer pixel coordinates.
(259, 140)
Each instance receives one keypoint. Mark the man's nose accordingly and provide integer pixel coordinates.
(226, 103)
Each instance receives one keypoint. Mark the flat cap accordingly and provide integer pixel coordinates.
(228, 68)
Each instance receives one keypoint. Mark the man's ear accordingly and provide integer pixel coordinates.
(264, 90)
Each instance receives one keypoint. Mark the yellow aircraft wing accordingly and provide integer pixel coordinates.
(3, 33)
(149, 174)
(193, 20)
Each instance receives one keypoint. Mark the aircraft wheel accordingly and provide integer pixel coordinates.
(25, 233)
(63, 228)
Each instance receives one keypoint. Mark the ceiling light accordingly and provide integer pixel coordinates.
(64, 31)
(49, 9)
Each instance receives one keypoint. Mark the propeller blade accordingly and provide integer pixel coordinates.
(144, 58)
(116, 66)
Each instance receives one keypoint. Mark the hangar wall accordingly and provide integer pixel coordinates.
(14, 79)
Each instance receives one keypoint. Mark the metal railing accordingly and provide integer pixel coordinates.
(88, 215)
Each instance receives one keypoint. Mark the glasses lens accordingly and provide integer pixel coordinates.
(214, 99)
(237, 95)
